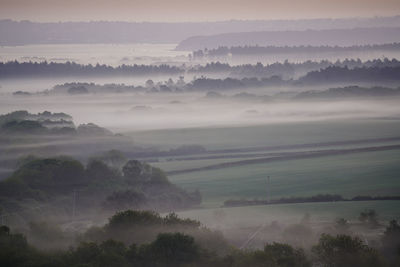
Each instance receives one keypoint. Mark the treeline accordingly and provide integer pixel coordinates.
(384, 72)
(335, 74)
(312, 199)
(329, 75)
(15, 69)
(128, 240)
(286, 70)
(75, 88)
(224, 51)
(215, 85)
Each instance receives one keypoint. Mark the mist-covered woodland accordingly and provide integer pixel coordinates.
(220, 143)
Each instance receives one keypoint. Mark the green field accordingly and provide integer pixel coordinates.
(372, 173)
(368, 173)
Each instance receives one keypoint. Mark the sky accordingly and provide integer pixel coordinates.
(191, 10)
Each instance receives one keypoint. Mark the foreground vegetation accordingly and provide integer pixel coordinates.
(144, 238)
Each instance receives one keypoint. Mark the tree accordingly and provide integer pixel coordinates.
(46, 235)
(149, 84)
(98, 170)
(23, 127)
(113, 158)
(133, 169)
(113, 254)
(369, 218)
(85, 254)
(123, 200)
(298, 234)
(138, 172)
(172, 219)
(14, 249)
(286, 256)
(172, 249)
(391, 242)
(49, 175)
(129, 218)
(345, 251)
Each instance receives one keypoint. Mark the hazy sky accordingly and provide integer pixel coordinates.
(192, 10)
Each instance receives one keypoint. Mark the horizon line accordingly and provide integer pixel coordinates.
(201, 21)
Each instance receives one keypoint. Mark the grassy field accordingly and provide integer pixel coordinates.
(369, 173)
(372, 173)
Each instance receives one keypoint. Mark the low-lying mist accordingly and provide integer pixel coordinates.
(145, 111)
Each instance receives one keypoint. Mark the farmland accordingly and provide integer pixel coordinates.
(363, 173)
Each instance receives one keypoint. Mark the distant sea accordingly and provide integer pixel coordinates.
(109, 54)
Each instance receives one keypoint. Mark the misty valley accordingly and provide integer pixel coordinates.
(237, 143)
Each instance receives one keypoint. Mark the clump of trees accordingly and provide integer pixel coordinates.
(101, 185)
(141, 227)
(47, 123)
(20, 115)
(149, 188)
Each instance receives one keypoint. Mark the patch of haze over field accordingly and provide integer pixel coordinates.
(150, 111)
